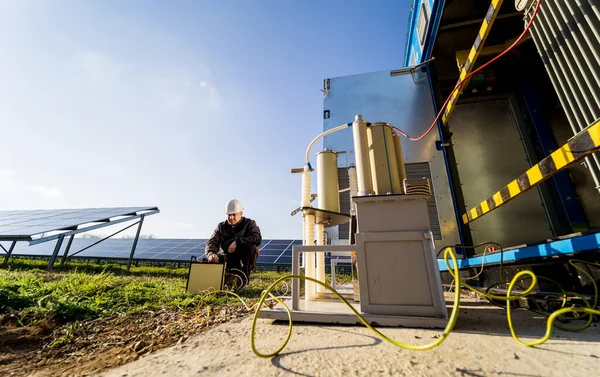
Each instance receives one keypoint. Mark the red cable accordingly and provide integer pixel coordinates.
(537, 7)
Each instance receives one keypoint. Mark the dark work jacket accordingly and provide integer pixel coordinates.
(245, 233)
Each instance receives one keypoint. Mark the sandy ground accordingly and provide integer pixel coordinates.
(480, 345)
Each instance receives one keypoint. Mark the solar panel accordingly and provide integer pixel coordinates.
(272, 251)
(153, 249)
(26, 225)
(284, 260)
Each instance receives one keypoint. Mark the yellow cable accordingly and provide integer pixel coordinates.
(454, 271)
(445, 333)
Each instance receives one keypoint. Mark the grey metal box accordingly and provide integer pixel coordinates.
(397, 267)
(390, 213)
(398, 274)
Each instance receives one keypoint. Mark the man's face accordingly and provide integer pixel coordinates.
(234, 218)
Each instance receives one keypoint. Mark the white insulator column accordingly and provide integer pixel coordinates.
(309, 240)
(353, 184)
(320, 257)
(305, 200)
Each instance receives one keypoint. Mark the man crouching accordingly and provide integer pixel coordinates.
(239, 238)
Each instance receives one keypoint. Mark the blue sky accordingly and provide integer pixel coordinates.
(183, 105)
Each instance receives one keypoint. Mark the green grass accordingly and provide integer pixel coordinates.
(25, 264)
(81, 291)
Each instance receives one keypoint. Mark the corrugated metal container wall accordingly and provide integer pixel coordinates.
(567, 36)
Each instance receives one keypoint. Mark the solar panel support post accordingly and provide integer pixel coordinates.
(64, 257)
(56, 250)
(10, 250)
(135, 240)
(103, 239)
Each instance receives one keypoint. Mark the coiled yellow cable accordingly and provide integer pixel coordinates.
(454, 271)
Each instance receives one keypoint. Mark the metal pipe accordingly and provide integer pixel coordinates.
(579, 75)
(55, 252)
(565, 96)
(583, 71)
(64, 257)
(590, 62)
(566, 69)
(135, 241)
(596, 11)
(586, 26)
(9, 252)
(589, 30)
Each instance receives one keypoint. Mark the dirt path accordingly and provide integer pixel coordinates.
(481, 345)
(88, 347)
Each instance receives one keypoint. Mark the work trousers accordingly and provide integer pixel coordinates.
(242, 259)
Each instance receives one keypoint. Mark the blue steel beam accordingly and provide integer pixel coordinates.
(578, 244)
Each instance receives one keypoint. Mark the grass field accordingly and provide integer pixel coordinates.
(85, 291)
(86, 309)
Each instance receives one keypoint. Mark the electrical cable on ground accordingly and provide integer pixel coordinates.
(539, 311)
(563, 297)
(455, 273)
(457, 87)
(485, 251)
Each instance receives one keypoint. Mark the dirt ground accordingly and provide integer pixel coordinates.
(480, 345)
(88, 347)
(169, 342)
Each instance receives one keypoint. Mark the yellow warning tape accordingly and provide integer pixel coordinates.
(486, 26)
(584, 143)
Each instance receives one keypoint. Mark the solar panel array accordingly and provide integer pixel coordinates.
(272, 251)
(26, 224)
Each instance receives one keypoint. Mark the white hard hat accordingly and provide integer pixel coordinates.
(234, 206)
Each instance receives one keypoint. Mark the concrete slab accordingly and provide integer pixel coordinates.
(334, 311)
(481, 345)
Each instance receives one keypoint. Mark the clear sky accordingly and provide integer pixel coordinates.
(177, 104)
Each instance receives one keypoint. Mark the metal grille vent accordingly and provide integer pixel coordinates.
(566, 34)
(414, 172)
(344, 229)
(418, 171)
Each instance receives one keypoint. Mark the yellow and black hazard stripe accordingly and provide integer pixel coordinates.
(583, 144)
(486, 26)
